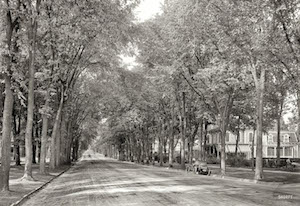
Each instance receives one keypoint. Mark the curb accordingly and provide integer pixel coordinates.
(27, 196)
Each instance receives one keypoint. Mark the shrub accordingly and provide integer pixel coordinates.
(271, 162)
(237, 161)
(212, 160)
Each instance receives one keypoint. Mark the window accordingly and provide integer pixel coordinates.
(288, 151)
(271, 152)
(281, 151)
(286, 138)
(227, 137)
(270, 138)
(250, 137)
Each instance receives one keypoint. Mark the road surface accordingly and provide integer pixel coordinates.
(105, 182)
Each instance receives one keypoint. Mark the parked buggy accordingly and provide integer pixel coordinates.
(295, 166)
(200, 167)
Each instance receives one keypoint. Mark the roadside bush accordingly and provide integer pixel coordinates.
(178, 159)
(282, 163)
(271, 162)
(237, 161)
(212, 160)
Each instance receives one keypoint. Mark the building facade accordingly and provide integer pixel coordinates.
(289, 143)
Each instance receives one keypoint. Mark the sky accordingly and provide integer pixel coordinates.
(148, 9)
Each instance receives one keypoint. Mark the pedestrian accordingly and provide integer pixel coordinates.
(196, 166)
(288, 162)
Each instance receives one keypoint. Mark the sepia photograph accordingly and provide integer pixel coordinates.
(149, 102)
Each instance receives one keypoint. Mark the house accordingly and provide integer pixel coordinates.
(289, 143)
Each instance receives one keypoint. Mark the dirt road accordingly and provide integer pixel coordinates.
(105, 182)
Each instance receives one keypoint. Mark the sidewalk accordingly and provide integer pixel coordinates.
(271, 170)
(277, 176)
(19, 189)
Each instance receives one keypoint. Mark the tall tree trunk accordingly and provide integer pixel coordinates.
(29, 125)
(183, 134)
(34, 148)
(32, 33)
(34, 142)
(6, 139)
(260, 87)
(44, 144)
(205, 140)
(278, 142)
(171, 150)
(63, 141)
(223, 149)
(161, 133)
(44, 139)
(147, 145)
(55, 131)
(58, 144)
(16, 133)
(152, 142)
(200, 139)
(17, 152)
(75, 146)
(280, 108)
(252, 150)
(165, 146)
(224, 124)
(171, 140)
(237, 138)
(70, 140)
(192, 138)
(30, 108)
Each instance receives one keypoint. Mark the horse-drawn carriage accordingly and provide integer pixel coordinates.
(199, 167)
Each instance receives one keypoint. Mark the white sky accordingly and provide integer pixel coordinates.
(148, 9)
(128, 61)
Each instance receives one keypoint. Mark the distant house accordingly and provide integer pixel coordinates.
(289, 143)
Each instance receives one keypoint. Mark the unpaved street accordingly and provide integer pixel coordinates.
(105, 182)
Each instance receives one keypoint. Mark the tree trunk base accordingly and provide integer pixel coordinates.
(258, 176)
(27, 177)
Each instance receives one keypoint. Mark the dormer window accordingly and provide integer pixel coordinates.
(270, 138)
(286, 138)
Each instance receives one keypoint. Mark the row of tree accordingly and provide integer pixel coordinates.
(52, 53)
(229, 63)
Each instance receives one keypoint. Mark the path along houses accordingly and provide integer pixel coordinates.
(289, 143)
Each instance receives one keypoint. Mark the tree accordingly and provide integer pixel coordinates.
(6, 70)
(32, 12)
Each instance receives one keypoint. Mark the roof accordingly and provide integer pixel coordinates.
(292, 136)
